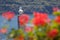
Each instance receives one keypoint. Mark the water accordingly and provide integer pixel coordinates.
(12, 23)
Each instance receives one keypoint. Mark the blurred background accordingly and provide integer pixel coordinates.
(28, 6)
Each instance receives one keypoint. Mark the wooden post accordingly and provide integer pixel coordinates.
(18, 23)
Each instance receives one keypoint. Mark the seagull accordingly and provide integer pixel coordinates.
(20, 10)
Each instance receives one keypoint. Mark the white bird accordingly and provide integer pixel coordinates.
(20, 10)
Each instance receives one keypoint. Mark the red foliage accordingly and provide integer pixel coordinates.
(8, 15)
(24, 18)
(40, 18)
(3, 30)
(52, 33)
(57, 19)
(36, 14)
(55, 9)
(0, 31)
(28, 29)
